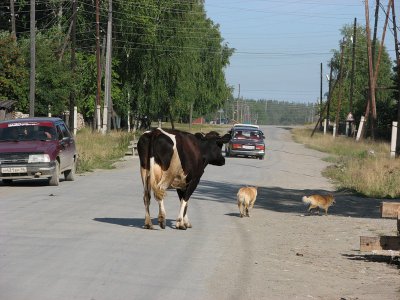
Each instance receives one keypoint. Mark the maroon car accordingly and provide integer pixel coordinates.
(36, 148)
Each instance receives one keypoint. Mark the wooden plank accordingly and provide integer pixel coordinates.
(390, 209)
(379, 243)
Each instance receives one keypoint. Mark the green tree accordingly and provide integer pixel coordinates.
(14, 77)
(384, 95)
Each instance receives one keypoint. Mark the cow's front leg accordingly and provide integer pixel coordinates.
(180, 222)
(186, 218)
(161, 213)
(186, 222)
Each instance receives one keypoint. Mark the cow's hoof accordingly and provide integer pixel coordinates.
(148, 226)
(161, 222)
(188, 225)
(180, 226)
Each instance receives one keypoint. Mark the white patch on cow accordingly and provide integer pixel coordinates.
(180, 224)
(173, 177)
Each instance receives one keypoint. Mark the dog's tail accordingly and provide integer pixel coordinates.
(306, 199)
(240, 197)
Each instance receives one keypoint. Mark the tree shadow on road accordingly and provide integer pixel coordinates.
(289, 200)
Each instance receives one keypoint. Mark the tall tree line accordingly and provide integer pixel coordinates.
(168, 57)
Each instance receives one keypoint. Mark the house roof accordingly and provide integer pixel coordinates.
(7, 104)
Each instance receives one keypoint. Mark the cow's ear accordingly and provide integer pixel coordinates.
(225, 138)
(199, 135)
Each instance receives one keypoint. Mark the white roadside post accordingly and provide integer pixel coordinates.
(75, 119)
(325, 121)
(394, 140)
(360, 128)
(98, 114)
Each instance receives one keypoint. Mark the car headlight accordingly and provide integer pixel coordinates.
(38, 158)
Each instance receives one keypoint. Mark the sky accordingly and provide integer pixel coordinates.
(280, 44)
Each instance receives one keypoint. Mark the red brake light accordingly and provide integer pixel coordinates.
(260, 147)
(236, 146)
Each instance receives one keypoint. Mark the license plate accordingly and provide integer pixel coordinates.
(13, 170)
(248, 147)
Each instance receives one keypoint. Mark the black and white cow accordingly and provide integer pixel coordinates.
(175, 159)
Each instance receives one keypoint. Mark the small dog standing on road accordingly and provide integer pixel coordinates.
(246, 197)
(319, 201)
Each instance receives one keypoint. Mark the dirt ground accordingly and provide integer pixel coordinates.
(294, 255)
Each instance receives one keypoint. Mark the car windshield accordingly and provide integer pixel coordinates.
(23, 131)
(242, 134)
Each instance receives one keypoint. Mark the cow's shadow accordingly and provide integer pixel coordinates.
(133, 222)
(289, 200)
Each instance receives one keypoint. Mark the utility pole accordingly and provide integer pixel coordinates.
(13, 28)
(375, 31)
(237, 103)
(340, 86)
(396, 46)
(373, 72)
(320, 95)
(107, 78)
(97, 117)
(32, 86)
(353, 58)
(73, 64)
(328, 109)
(371, 96)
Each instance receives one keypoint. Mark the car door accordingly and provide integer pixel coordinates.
(67, 147)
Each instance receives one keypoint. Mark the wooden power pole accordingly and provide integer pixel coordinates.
(32, 76)
(107, 78)
(13, 28)
(97, 117)
(73, 64)
(340, 79)
(396, 45)
(353, 58)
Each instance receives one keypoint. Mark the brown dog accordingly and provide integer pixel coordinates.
(246, 197)
(319, 201)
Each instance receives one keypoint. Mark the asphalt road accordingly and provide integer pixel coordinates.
(84, 239)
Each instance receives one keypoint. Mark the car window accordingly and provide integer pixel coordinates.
(27, 131)
(65, 131)
(59, 133)
(62, 131)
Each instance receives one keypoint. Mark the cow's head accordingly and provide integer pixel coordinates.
(211, 147)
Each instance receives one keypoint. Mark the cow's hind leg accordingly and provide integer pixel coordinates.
(161, 213)
(147, 219)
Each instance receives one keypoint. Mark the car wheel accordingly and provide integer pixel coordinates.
(70, 174)
(261, 157)
(55, 179)
(7, 181)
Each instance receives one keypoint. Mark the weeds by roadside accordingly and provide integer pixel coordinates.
(364, 167)
(98, 151)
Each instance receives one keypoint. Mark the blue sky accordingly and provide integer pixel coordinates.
(281, 43)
